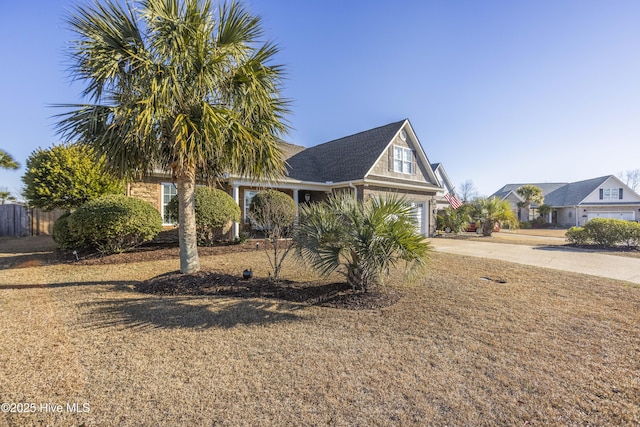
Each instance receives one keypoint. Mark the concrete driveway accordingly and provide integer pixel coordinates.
(555, 257)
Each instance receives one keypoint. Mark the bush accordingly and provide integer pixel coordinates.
(62, 233)
(576, 235)
(215, 211)
(606, 232)
(114, 223)
(272, 208)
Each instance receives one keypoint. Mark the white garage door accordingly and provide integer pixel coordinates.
(418, 216)
(629, 216)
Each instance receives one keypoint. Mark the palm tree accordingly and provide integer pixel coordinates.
(7, 162)
(489, 211)
(363, 241)
(176, 85)
(531, 194)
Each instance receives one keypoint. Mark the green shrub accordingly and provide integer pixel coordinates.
(114, 223)
(630, 234)
(606, 232)
(272, 208)
(62, 233)
(576, 235)
(215, 211)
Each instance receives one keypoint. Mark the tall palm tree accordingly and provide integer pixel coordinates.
(7, 162)
(531, 194)
(177, 85)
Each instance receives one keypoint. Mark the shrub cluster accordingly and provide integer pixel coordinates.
(606, 232)
(108, 224)
(215, 211)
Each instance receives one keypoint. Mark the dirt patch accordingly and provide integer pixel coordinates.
(216, 283)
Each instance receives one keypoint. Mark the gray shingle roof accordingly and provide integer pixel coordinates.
(344, 159)
(546, 188)
(573, 193)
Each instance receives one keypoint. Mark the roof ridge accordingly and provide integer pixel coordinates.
(358, 133)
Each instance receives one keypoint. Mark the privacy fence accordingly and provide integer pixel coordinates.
(19, 221)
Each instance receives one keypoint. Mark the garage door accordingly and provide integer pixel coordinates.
(629, 216)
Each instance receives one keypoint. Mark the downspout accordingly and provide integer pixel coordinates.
(355, 190)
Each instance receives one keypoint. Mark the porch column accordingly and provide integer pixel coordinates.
(295, 199)
(550, 216)
(235, 193)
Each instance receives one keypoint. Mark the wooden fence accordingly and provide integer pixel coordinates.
(18, 221)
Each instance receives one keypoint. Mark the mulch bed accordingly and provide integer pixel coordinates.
(215, 283)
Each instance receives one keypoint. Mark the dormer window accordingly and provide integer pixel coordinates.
(402, 160)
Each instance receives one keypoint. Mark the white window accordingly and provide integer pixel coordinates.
(610, 193)
(402, 159)
(168, 191)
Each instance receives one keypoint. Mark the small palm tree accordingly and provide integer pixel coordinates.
(531, 194)
(177, 85)
(489, 211)
(363, 241)
(7, 162)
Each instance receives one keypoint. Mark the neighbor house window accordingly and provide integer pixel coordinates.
(611, 194)
(168, 191)
(402, 159)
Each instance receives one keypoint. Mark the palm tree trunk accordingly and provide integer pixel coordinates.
(189, 262)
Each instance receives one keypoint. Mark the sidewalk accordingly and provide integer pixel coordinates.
(555, 257)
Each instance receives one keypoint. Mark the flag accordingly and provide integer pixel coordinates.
(453, 200)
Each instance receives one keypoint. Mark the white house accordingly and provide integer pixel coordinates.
(575, 203)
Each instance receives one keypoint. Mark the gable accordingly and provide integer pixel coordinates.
(390, 164)
(611, 191)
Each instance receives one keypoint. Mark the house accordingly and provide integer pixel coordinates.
(575, 203)
(448, 189)
(379, 161)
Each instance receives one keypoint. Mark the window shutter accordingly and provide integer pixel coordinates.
(601, 194)
(391, 158)
(620, 194)
(413, 162)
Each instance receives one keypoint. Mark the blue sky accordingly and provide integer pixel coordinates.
(498, 91)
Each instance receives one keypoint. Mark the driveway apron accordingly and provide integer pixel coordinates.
(555, 257)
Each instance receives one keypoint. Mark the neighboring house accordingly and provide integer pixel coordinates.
(575, 203)
(447, 187)
(387, 159)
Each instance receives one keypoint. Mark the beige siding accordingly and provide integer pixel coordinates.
(149, 190)
(383, 168)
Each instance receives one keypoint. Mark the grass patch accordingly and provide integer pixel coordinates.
(529, 345)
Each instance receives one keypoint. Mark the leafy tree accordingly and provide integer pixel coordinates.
(7, 162)
(531, 194)
(489, 211)
(274, 212)
(177, 85)
(66, 176)
(362, 240)
(215, 210)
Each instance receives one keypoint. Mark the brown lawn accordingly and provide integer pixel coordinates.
(542, 348)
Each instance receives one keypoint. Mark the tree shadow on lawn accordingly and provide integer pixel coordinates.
(187, 313)
(585, 249)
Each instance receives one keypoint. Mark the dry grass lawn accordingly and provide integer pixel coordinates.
(544, 348)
